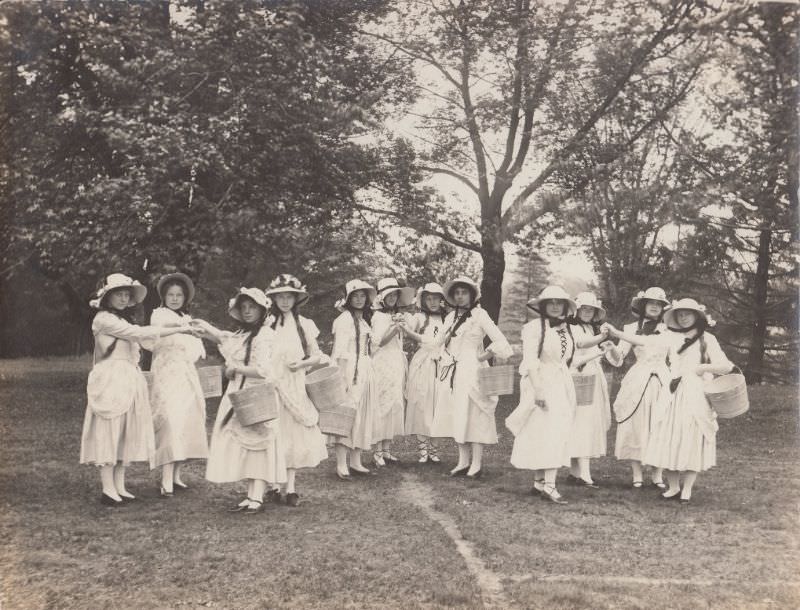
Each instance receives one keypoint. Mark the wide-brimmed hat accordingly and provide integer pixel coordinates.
(654, 293)
(254, 293)
(429, 288)
(116, 281)
(180, 277)
(464, 281)
(288, 283)
(589, 299)
(387, 286)
(690, 304)
(552, 293)
(350, 287)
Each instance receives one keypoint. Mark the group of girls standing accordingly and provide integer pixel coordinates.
(663, 418)
(437, 395)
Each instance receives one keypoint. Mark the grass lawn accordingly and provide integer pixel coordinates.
(372, 544)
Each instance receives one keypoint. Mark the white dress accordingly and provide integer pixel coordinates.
(463, 412)
(118, 425)
(303, 442)
(423, 386)
(246, 452)
(684, 434)
(390, 367)
(592, 421)
(176, 396)
(638, 396)
(542, 441)
(358, 376)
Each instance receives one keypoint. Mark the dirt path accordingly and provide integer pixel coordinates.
(419, 494)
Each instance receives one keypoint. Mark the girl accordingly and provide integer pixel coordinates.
(176, 397)
(118, 425)
(463, 412)
(295, 351)
(255, 452)
(351, 352)
(638, 397)
(683, 440)
(422, 389)
(390, 366)
(544, 418)
(592, 421)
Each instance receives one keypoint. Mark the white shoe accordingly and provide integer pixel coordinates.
(378, 459)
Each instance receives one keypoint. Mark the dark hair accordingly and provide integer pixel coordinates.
(183, 309)
(428, 313)
(277, 315)
(458, 322)
(544, 318)
(473, 293)
(251, 328)
(123, 314)
(366, 314)
(394, 308)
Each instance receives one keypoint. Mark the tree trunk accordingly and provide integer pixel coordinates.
(755, 356)
(494, 266)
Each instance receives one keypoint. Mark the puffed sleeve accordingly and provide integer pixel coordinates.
(380, 325)
(108, 324)
(715, 353)
(311, 332)
(499, 345)
(343, 337)
(531, 336)
(624, 347)
(261, 354)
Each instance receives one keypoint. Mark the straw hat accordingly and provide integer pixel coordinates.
(389, 285)
(254, 293)
(115, 281)
(654, 293)
(181, 277)
(464, 281)
(553, 293)
(429, 288)
(589, 299)
(288, 283)
(690, 304)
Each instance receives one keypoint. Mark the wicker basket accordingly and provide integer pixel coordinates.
(727, 395)
(255, 404)
(326, 388)
(210, 380)
(496, 380)
(337, 420)
(584, 388)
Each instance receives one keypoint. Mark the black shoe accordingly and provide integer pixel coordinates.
(179, 486)
(164, 493)
(344, 477)
(592, 485)
(292, 499)
(274, 496)
(107, 500)
(127, 499)
(476, 475)
(459, 472)
(360, 473)
(573, 480)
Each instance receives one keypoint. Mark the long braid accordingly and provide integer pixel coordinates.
(459, 321)
(358, 343)
(124, 314)
(541, 337)
(300, 332)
